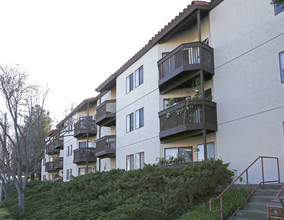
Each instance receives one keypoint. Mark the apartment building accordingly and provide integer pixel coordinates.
(208, 85)
(77, 152)
(223, 61)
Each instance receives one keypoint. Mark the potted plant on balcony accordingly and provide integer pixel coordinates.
(161, 160)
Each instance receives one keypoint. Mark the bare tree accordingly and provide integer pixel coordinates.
(23, 130)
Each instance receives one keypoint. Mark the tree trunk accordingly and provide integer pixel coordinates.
(21, 199)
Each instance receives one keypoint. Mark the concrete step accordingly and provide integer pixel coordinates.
(266, 192)
(243, 218)
(276, 186)
(255, 206)
(261, 199)
(258, 214)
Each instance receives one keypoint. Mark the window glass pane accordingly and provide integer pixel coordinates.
(131, 121)
(127, 123)
(137, 161)
(142, 160)
(127, 84)
(131, 82)
(171, 152)
(279, 8)
(210, 151)
(186, 153)
(200, 153)
(127, 162)
(141, 117)
(137, 119)
(141, 75)
(132, 162)
(282, 65)
(136, 77)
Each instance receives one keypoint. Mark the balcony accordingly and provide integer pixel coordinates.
(106, 113)
(183, 64)
(106, 146)
(82, 155)
(176, 123)
(49, 167)
(58, 144)
(58, 163)
(84, 127)
(50, 150)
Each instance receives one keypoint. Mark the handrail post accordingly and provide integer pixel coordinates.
(221, 206)
(247, 183)
(278, 170)
(262, 170)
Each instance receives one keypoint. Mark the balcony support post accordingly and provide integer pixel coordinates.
(199, 25)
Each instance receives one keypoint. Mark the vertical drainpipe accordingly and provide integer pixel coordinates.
(202, 85)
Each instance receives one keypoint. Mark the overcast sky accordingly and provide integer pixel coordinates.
(72, 46)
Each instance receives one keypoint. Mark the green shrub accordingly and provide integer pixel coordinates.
(231, 201)
(152, 193)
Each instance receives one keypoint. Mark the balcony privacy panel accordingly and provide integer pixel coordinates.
(49, 166)
(176, 119)
(106, 145)
(108, 106)
(85, 126)
(58, 163)
(186, 54)
(52, 150)
(84, 155)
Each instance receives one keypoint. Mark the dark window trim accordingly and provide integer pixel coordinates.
(139, 118)
(282, 80)
(139, 76)
(206, 149)
(129, 83)
(279, 11)
(139, 153)
(178, 150)
(130, 122)
(129, 155)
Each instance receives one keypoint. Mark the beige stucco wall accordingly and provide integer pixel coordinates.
(247, 86)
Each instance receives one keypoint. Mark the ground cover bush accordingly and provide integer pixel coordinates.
(231, 201)
(152, 193)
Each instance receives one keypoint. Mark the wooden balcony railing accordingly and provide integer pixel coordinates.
(58, 163)
(58, 144)
(51, 150)
(82, 155)
(106, 146)
(185, 59)
(49, 167)
(106, 113)
(84, 127)
(176, 120)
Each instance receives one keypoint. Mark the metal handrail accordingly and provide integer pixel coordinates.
(220, 197)
(277, 204)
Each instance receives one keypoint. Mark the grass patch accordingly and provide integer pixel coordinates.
(231, 201)
(152, 193)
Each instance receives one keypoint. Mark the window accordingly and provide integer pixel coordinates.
(139, 76)
(44, 177)
(278, 8)
(69, 150)
(204, 154)
(129, 122)
(130, 162)
(84, 144)
(129, 83)
(206, 41)
(176, 101)
(185, 152)
(281, 62)
(85, 117)
(51, 159)
(83, 170)
(139, 160)
(139, 118)
(165, 54)
(68, 174)
(44, 161)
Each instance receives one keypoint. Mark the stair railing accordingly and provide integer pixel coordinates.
(275, 208)
(220, 197)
